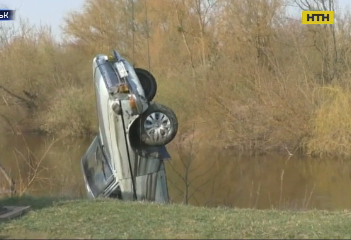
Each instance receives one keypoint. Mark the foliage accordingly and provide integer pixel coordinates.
(244, 69)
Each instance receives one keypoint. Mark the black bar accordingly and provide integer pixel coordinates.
(6, 14)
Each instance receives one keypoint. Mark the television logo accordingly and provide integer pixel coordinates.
(317, 17)
(6, 14)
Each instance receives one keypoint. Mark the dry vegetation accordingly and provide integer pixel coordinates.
(241, 73)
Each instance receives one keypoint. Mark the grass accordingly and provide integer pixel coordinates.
(111, 219)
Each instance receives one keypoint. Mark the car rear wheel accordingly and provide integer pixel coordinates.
(158, 125)
(148, 82)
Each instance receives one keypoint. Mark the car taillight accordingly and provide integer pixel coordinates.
(132, 102)
(123, 88)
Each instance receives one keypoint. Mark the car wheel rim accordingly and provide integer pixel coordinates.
(158, 126)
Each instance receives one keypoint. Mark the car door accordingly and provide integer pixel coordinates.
(97, 171)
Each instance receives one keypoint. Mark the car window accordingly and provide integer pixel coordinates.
(106, 168)
(98, 172)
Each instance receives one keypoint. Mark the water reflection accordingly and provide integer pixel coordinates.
(269, 181)
(209, 178)
(49, 170)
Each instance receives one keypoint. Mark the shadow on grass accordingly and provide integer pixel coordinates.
(35, 203)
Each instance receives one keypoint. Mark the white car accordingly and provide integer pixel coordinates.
(125, 160)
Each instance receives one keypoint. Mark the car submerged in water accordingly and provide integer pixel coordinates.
(126, 158)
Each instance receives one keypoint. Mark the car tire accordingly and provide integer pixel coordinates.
(158, 125)
(148, 82)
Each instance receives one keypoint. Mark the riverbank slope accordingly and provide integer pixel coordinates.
(108, 219)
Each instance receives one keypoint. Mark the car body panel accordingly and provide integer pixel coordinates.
(112, 164)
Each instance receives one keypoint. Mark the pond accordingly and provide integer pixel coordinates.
(208, 178)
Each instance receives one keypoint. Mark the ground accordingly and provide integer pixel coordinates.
(108, 219)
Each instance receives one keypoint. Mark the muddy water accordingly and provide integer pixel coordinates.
(210, 177)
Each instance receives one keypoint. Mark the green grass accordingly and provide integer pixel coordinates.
(108, 219)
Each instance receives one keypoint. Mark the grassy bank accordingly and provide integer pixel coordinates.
(115, 219)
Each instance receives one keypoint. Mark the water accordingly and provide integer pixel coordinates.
(208, 178)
